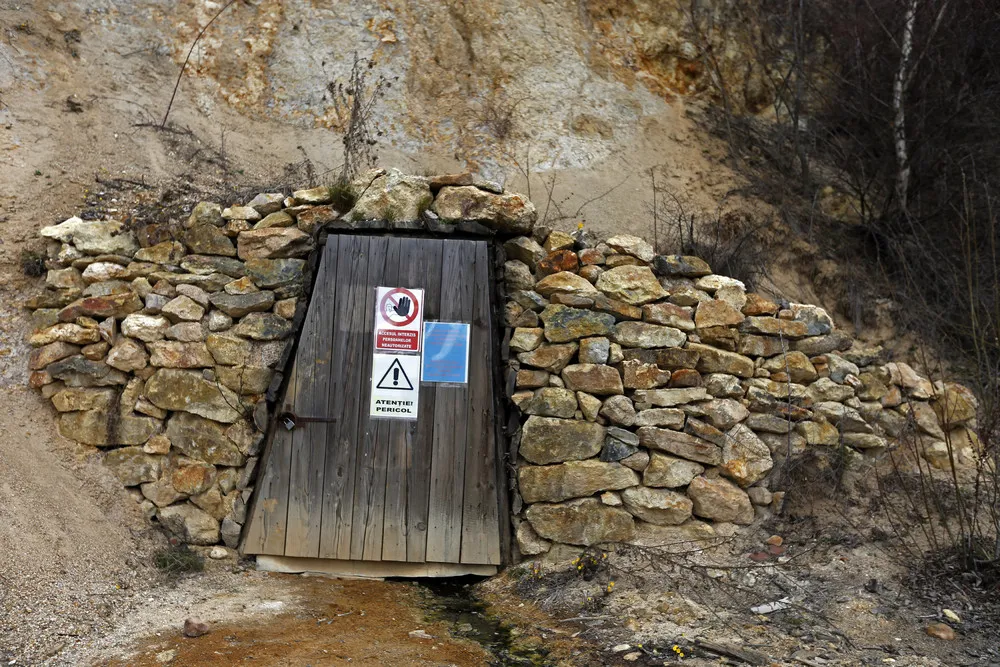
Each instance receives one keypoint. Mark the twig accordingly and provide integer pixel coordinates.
(180, 74)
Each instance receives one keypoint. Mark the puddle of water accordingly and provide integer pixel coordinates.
(454, 601)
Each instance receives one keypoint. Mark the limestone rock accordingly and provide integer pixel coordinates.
(816, 345)
(94, 237)
(146, 328)
(639, 375)
(238, 305)
(183, 308)
(65, 333)
(772, 326)
(678, 265)
(526, 339)
(318, 195)
(552, 402)
(105, 271)
(564, 282)
(100, 307)
(713, 360)
(722, 385)
(825, 389)
(589, 405)
(761, 346)
(956, 404)
(505, 213)
(188, 391)
(595, 350)
(78, 398)
(560, 260)
(619, 410)
(186, 332)
(524, 249)
(574, 479)
(128, 355)
(205, 265)
(528, 541)
(273, 243)
(745, 459)
(816, 320)
(203, 439)
(669, 471)
(191, 524)
(132, 465)
(190, 476)
(208, 240)
(632, 245)
(818, 433)
(584, 522)
(720, 500)
(668, 398)
(644, 335)
(635, 285)
(230, 350)
(275, 273)
(552, 358)
(51, 353)
(593, 379)
(551, 440)
(175, 354)
(77, 371)
(263, 326)
(716, 313)
(160, 492)
(668, 314)
(517, 276)
(666, 417)
(682, 538)
(660, 507)
(680, 444)
(795, 364)
(563, 324)
(712, 282)
(724, 413)
(637, 461)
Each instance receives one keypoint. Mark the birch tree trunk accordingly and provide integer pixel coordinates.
(899, 86)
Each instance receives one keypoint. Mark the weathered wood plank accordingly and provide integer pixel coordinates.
(444, 530)
(349, 342)
(312, 393)
(266, 530)
(480, 529)
(420, 437)
(382, 429)
(365, 442)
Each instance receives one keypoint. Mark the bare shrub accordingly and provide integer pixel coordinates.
(731, 240)
(355, 102)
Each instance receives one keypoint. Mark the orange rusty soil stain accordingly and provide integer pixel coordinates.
(339, 622)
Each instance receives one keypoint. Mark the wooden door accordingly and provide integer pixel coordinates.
(357, 488)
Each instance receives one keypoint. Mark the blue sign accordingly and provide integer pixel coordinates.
(446, 352)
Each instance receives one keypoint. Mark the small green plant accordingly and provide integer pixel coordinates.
(177, 560)
(33, 263)
(342, 195)
(38, 172)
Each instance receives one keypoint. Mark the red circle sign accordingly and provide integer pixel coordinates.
(391, 305)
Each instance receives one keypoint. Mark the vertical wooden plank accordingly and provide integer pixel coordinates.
(480, 529)
(444, 529)
(312, 393)
(426, 273)
(349, 343)
(365, 438)
(381, 431)
(266, 532)
(413, 273)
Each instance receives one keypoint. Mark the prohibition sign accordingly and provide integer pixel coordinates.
(399, 307)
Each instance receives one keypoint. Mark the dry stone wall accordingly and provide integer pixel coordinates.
(651, 399)
(656, 397)
(169, 358)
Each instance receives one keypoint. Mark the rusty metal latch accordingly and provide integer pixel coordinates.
(291, 420)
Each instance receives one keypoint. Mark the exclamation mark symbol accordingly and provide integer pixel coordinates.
(395, 377)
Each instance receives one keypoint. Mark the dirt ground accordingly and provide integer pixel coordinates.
(262, 619)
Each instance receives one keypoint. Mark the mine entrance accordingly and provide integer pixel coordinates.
(415, 489)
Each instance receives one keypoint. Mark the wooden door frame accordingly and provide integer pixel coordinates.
(505, 464)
